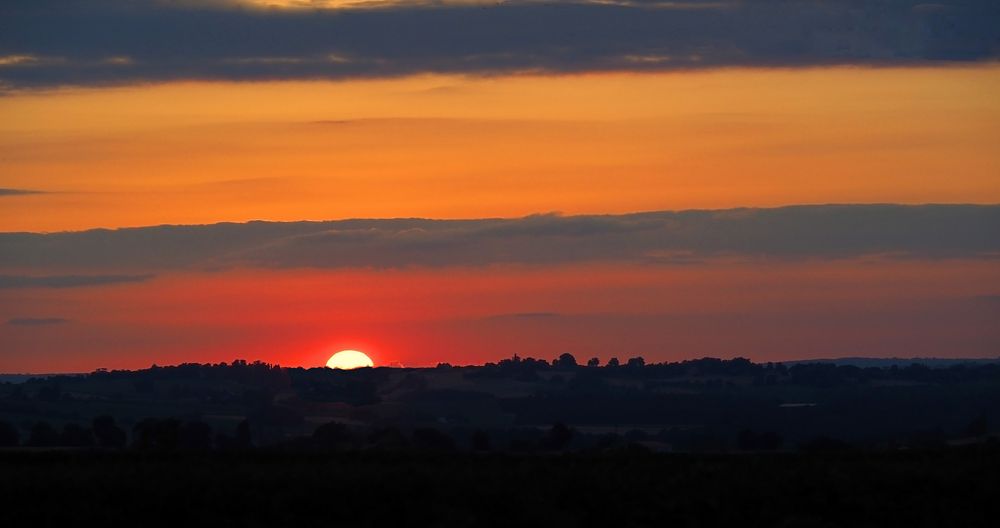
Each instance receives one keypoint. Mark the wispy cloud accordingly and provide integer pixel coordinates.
(526, 315)
(17, 192)
(55, 42)
(36, 321)
(66, 281)
(989, 300)
(658, 238)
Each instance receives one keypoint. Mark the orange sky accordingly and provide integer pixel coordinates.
(443, 146)
(466, 147)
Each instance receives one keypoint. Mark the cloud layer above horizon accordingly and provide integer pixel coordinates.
(670, 238)
(45, 43)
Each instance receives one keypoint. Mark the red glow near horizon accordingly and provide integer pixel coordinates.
(766, 311)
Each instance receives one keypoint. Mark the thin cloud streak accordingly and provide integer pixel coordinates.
(18, 192)
(525, 315)
(66, 281)
(36, 321)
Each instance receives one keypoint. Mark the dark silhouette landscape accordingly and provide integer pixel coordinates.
(523, 441)
(511, 263)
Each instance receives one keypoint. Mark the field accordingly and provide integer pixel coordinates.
(946, 487)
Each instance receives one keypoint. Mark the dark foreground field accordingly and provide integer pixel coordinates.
(950, 487)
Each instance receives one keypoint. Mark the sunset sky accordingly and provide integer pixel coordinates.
(460, 181)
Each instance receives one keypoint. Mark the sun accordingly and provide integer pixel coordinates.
(349, 359)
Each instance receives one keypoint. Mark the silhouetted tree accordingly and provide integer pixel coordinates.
(636, 362)
(195, 436)
(74, 435)
(17, 394)
(157, 434)
(593, 362)
(824, 444)
(43, 435)
(255, 398)
(558, 437)
(271, 424)
(609, 441)
(389, 438)
(430, 439)
(480, 440)
(240, 442)
(144, 386)
(333, 435)
(748, 440)
(243, 438)
(107, 433)
(49, 393)
(613, 362)
(978, 427)
(635, 435)
(770, 441)
(932, 438)
(9, 436)
(565, 361)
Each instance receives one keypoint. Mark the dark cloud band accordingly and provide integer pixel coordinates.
(668, 238)
(50, 42)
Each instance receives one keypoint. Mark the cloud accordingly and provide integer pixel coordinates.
(526, 315)
(58, 42)
(66, 281)
(662, 238)
(992, 301)
(36, 321)
(17, 192)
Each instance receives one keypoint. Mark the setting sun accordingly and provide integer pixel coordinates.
(349, 359)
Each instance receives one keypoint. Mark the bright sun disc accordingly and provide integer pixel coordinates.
(349, 359)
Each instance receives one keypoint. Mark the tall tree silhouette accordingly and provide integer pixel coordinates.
(9, 436)
(43, 435)
(157, 434)
(558, 437)
(75, 435)
(565, 360)
(481, 440)
(195, 435)
(107, 433)
(333, 435)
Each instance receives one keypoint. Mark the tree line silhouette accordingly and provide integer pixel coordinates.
(750, 445)
(174, 435)
(737, 405)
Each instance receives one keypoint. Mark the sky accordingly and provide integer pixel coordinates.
(461, 181)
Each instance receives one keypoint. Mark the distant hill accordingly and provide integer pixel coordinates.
(864, 362)
(520, 404)
(21, 378)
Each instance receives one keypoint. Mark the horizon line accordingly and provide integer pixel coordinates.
(917, 360)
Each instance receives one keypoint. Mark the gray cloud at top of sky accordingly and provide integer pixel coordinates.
(665, 238)
(46, 43)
